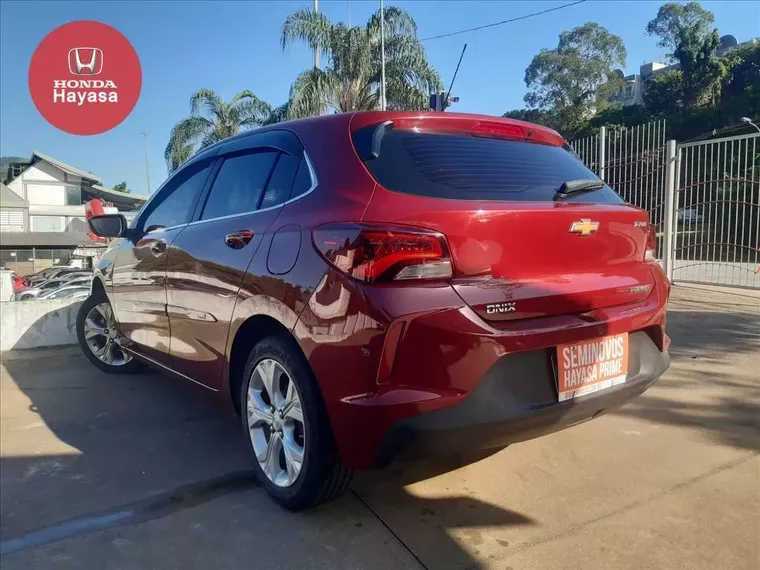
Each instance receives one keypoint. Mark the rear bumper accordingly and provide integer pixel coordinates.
(407, 363)
(517, 401)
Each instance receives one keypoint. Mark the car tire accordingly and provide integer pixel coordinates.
(321, 476)
(87, 320)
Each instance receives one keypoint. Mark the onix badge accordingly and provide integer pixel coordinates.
(584, 227)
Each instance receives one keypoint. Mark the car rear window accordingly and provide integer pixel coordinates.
(465, 167)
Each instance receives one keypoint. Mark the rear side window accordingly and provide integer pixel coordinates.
(465, 167)
(239, 185)
(278, 189)
(303, 181)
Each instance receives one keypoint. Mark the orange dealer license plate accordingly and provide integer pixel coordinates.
(591, 365)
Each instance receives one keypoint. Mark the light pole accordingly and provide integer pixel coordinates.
(383, 103)
(749, 122)
(145, 148)
(316, 51)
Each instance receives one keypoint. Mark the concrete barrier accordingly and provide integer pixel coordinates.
(33, 324)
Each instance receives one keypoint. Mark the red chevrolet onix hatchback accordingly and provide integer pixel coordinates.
(366, 284)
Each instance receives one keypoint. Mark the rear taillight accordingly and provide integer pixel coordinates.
(380, 254)
(651, 251)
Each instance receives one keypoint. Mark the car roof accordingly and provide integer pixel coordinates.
(368, 117)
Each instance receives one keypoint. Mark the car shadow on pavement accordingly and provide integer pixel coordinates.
(440, 531)
(85, 452)
(77, 440)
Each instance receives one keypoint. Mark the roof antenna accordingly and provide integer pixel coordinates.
(455, 75)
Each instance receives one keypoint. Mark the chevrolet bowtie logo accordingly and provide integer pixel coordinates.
(584, 227)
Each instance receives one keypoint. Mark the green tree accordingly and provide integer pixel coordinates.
(687, 30)
(575, 79)
(278, 114)
(121, 187)
(211, 120)
(742, 77)
(350, 80)
(664, 94)
(536, 116)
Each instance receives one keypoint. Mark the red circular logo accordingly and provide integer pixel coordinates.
(85, 77)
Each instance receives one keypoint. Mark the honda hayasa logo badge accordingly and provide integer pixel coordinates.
(85, 88)
(85, 61)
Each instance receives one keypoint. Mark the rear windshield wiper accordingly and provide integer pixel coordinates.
(577, 187)
(377, 139)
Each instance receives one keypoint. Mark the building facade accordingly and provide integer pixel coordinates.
(42, 213)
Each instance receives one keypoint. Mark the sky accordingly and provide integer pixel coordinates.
(230, 46)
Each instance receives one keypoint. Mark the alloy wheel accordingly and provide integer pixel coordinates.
(101, 336)
(275, 422)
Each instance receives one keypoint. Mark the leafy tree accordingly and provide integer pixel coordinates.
(687, 29)
(211, 120)
(742, 72)
(575, 79)
(536, 116)
(121, 187)
(351, 79)
(664, 94)
(674, 21)
(278, 114)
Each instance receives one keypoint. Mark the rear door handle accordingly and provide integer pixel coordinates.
(238, 239)
(158, 247)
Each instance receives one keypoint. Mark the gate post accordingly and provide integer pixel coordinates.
(602, 141)
(669, 221)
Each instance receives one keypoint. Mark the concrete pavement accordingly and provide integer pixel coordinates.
(145, 471)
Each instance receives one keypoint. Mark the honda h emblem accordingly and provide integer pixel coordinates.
(85, 61)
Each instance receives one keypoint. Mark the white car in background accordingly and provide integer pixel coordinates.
(51, 285)
(72, 292)
(690, 216)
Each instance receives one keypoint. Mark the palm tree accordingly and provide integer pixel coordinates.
(211, 120)
(351, 79)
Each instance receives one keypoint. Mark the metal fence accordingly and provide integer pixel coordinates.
(717, 212)
(703, 197)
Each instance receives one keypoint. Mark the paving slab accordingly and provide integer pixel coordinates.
(669, 481)
(241, 530)
(702, 524)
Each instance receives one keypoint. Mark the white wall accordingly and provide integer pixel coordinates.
(43, 171)
(47, 223)
(46, 194)
(33, 324)
(17, 186)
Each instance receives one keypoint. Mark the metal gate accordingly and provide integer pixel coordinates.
(703, 197)
(716, 221)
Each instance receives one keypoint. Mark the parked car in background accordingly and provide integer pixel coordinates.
(19, 283)
(51, 285)
(689, 216)
(70, 275)
(49, 273)
(367, 285)
(72, 292)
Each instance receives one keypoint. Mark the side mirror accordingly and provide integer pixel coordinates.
(108, 225)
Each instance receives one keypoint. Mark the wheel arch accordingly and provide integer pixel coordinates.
(98, 287)
(251, 331)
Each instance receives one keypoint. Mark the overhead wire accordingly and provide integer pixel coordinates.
(715, 132)
(494, 24)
